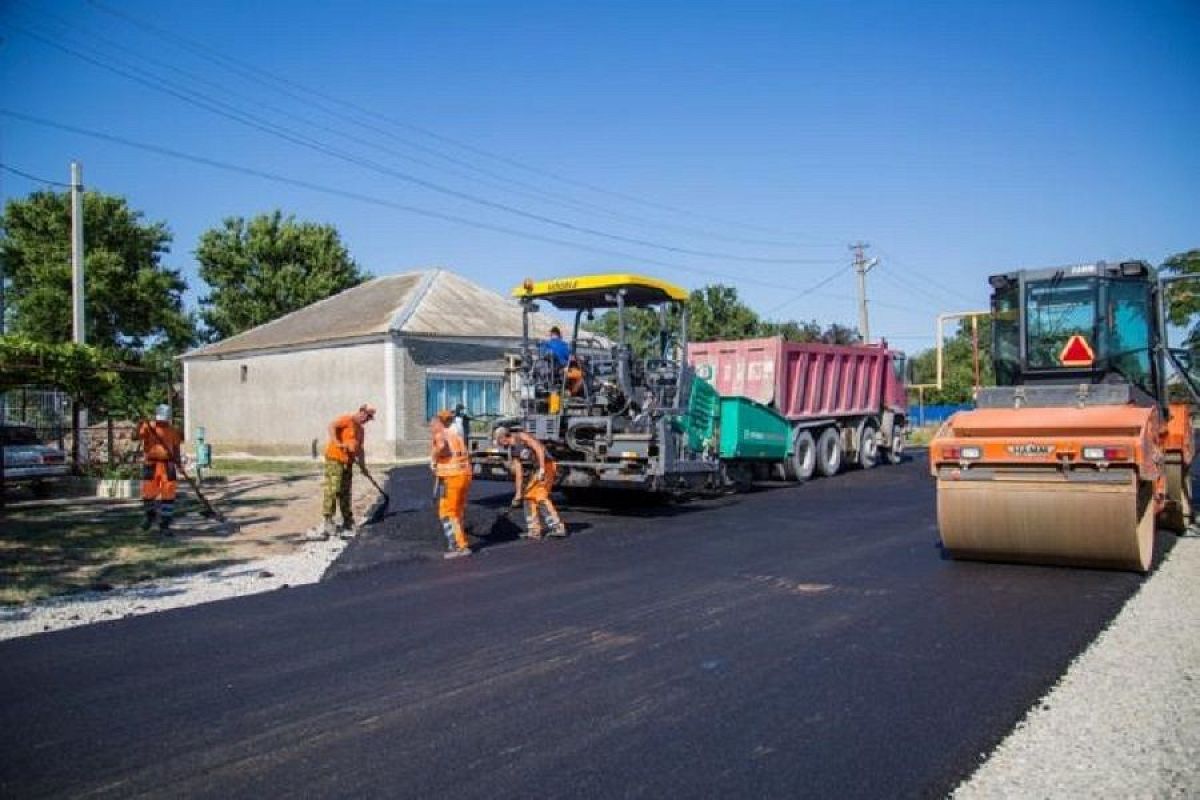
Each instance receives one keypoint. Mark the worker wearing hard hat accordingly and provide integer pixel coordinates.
(346, 447)
(160, 460)
(539, 467)
(452, 467)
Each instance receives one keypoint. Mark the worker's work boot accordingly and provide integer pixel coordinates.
(321, 532)
(349, 530)
(516, 501)
(457, 553)
(558, 531)
(147, 520)
(164, 529)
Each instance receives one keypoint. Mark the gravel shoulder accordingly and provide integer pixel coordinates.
(1124, 721)
(267, 552)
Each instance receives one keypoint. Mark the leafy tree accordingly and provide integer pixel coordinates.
(716, 313)
(958, 370)
(1183, 298)
(132, 301)
(268, 266)
(80, 370)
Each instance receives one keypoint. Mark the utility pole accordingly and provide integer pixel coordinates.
(78, 334)
(79, 416)
(863, 265)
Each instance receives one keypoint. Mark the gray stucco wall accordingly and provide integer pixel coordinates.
(287, 399)
(418, 357)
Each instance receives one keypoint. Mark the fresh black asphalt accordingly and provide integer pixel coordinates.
(790, 642)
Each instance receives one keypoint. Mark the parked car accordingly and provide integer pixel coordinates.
(27, 460)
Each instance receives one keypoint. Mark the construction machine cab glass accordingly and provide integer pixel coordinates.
(593, 376)
(1090, 323)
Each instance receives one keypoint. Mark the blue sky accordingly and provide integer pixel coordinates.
(958, 138)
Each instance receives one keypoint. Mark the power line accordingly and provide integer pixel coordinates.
(928, 279)
(227, 111)
(811, 289)
(267, 78)
(33, 178)
(462, 167)
(357, 196)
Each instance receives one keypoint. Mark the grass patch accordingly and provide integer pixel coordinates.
(50, 550)
(252, 466)
(919, 437)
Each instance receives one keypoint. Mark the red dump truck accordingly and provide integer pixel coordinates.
(846, 403)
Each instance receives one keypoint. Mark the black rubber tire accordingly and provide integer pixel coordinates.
(895, 453)
(1179, 514)
(801, 465)
(829, 452)
(868, 446)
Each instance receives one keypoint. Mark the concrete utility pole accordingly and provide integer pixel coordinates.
(79, 336)
(863, 265)
(79, 416)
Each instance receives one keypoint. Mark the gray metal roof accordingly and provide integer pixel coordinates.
(432, 302)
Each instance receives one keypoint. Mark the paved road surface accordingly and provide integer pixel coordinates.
(803, 641)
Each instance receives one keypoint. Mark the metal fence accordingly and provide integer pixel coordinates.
(47, 411)
(935, 414)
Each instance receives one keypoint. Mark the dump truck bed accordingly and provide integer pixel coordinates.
(801, 380)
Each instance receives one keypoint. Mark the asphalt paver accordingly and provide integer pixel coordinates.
(787, 642)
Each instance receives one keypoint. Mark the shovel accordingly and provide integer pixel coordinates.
(382, 508)
(210, 511)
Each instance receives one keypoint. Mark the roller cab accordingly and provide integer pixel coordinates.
(1076, 456)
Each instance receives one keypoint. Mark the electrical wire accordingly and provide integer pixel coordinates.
(279, 83)
(378, 201)
(34, 178)
(220, 108)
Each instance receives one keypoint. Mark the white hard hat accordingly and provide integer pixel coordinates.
(162, 413)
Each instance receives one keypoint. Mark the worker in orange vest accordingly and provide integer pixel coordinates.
(346, 447)
(160, 460)
(449, 461)
(541, 469)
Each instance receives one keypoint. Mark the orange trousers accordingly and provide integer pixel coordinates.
(158, 481)
(452, 508)
(538, 504)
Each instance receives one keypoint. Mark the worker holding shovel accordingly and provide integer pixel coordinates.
(536, 480)
(452, 474)
(160, 461)
(346, 447)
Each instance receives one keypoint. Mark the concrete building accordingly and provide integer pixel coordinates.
(408, 344)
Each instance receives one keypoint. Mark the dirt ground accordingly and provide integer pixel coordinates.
(58, 545)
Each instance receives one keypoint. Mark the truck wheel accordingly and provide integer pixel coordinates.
(895, 453)
(868, 446)
(829, 452)
(1178, 514)
(803, 460)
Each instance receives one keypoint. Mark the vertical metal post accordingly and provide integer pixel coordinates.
(863, 265)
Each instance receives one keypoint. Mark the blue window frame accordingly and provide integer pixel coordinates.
(479, 394)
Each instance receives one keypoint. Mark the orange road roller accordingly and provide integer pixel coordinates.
(1079, 452)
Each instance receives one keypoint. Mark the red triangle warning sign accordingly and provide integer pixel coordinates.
(1077, 353)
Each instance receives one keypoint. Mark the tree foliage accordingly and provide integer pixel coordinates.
(266, 267)
(958, 370)
(132, 301)
(1183, 298)
(82, 371)
(715, 312)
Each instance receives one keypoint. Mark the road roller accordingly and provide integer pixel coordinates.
(1085, 444)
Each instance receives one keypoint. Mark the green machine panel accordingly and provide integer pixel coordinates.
(750, 430)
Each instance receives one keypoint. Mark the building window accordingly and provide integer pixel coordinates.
(245, 370)
(478, 394)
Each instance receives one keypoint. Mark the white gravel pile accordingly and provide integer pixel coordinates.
(305, 565)
(1125, 719)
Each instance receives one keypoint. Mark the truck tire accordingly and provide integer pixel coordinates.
(895, 453)
(868, 446)
(829, 452)
(801, 464)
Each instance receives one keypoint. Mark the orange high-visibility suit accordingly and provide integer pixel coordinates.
(453, 469)
(160, 455)
(536, 494)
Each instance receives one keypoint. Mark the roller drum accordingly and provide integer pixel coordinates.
(1048, 522)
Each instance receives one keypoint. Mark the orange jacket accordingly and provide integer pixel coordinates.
(349, 433)
(160, 442)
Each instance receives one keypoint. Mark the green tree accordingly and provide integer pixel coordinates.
(958, 370)
(132, 301)
(266, 267)
(1183, 298)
